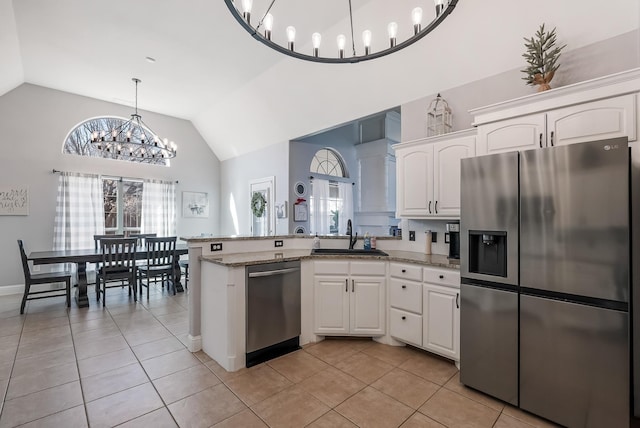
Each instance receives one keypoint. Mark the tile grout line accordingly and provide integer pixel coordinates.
(13, 364)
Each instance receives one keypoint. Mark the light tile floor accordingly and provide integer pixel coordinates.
(127, 366)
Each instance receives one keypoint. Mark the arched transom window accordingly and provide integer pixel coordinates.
(327, 161)
(78, 141)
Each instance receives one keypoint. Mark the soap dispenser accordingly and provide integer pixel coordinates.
(316, 242)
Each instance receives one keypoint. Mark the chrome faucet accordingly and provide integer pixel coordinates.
(352, 240)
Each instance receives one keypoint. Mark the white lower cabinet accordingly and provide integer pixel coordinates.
(349, 298)
(425, 308)
(441, 320)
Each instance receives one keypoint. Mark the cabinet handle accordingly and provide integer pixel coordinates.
(441, 276)
(404, 286)
(404, 318)
(429, 207)
(404, 271)
(541, 140)
(436, 207)
(458, 300)
(551, 138)
(353, 286)
(346, 285)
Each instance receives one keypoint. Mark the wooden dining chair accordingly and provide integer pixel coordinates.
(42, 278)
(118, 263)
(184, 264)
(96, 245)
(160, 263)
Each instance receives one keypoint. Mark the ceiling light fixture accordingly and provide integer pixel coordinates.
(133, 139)
(264, 30)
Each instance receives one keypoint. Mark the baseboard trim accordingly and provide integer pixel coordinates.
(8, 290)
(194, 343)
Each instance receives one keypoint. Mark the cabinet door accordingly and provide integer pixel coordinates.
(331, 304)
(609, 118)
(367, 305)
(521, 133)
(441, 320)
(446, 182)
(415, 181)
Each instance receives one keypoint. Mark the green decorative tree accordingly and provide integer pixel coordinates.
(542, 56)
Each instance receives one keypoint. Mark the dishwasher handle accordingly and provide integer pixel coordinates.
(273, 272)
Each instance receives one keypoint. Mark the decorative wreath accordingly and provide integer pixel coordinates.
(258, 203)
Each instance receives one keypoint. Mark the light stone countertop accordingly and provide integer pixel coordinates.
(253, 238)
(256, 258)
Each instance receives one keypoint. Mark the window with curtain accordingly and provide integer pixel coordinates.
(331, 201)
(89, 204)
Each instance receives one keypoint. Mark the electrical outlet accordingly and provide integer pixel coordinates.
(412, 235)
(434, 237)
(278, 243)
(216, 246)
(446, 238)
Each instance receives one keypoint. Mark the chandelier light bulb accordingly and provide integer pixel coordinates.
(291, 36)
(246, 10)
(416, 17)
(392, 29)
(268, 25)
(439, 6)
(316, 38)
(342, 41)
(366, 40)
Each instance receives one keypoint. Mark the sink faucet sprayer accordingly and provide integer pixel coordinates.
(352, 240)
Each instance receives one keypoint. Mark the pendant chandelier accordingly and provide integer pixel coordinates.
(133, 139)
(264, 29)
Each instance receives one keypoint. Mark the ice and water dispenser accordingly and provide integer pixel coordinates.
(488, 252)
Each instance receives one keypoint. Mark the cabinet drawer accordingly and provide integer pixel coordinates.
(369, 268)
(447, 277)
(412, 272)
(405, 295)
(406, 326)
(331, 267)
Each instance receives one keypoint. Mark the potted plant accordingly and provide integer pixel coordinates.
(542, 56)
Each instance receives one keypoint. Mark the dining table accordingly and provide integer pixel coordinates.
(83, 257)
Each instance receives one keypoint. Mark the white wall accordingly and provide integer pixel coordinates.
(236, 174)
(605, 57)
(34, 122)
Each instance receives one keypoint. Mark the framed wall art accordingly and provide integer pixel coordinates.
(14, 200)
(195, 204)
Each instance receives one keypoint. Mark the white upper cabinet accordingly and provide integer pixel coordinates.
(601, 108)
(428, 175)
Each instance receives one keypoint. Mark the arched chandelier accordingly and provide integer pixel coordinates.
(133, 139)
(265, 30)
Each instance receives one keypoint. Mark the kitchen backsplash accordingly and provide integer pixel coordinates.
(421, 227)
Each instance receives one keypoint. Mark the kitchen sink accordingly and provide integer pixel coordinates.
(346, 251)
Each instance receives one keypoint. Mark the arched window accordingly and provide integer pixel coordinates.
(78, 141)
(328, 162)
(331, 201)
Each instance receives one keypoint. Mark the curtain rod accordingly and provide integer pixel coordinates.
(334, 179)
(55, 171)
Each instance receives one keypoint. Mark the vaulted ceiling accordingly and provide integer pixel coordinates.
(241, 95)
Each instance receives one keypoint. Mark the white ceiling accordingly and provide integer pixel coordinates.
(243, 96)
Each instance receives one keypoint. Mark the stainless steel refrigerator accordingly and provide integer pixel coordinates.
(545, 266)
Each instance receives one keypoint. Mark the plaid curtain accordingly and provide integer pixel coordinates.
(79, 211)
(159, 207)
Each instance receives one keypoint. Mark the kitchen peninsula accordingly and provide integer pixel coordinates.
(218, 284)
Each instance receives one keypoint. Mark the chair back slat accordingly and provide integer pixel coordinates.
(142, 237)
(118, 253)
(25, 262)
(98, 238)
(161, 251)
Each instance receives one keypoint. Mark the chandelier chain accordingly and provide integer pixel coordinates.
(353, 40)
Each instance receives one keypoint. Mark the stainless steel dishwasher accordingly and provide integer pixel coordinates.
(273, 310)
